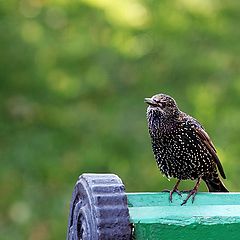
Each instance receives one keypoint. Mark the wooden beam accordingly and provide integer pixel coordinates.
(211, 216)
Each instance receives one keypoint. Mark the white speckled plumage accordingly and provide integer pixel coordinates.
(181, 146)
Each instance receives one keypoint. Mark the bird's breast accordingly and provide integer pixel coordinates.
(179, 154)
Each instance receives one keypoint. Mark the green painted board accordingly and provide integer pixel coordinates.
(211, 216)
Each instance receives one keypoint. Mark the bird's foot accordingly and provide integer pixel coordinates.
(192, 192)
(171, 193)
(175, 189)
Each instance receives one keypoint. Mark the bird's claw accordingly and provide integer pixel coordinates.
(171, 193)
(192, 193)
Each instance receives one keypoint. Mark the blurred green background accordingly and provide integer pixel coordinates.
(73, 76)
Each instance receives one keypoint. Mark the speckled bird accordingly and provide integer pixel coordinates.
(181, 146)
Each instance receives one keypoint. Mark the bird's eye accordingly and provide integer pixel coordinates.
(156, 100)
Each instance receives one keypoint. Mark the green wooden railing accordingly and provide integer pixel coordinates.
(211, 216)
(101, 210)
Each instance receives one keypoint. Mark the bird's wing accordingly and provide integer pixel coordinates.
(201, 133)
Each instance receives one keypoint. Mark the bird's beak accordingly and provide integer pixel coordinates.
(150, 101)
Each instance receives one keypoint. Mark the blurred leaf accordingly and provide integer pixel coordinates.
(73, 76)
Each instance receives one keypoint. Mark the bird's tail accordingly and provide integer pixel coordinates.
(214, 184)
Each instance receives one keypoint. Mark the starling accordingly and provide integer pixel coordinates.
(181, 146)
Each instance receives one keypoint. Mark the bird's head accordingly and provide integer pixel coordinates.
(163, 103)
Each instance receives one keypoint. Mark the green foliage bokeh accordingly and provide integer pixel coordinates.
(73, 76)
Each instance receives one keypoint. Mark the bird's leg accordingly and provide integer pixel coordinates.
(175, 189)
(192, 192)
